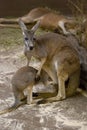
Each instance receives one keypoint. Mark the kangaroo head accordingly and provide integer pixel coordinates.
(28, 35)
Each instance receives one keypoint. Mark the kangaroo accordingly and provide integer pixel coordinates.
(22, 85)
(49, 19)
(55, 22)
(22, 79)
(58, 58)
(28, 18)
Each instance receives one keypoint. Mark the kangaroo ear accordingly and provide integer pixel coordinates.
(22, 25)
(35, 27)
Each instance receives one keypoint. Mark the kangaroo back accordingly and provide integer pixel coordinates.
(28, 18)
(35, 14)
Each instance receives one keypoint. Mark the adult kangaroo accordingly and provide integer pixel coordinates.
(58, 58)
(50, 20)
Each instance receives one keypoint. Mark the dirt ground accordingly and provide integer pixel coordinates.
(70, 114)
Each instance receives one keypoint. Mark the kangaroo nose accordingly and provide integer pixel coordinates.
(31, 48)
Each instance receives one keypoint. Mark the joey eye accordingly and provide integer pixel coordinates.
(26, 38)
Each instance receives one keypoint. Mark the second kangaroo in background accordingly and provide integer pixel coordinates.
(57, 57)
(50, 20)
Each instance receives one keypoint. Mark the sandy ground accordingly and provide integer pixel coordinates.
(70, 114)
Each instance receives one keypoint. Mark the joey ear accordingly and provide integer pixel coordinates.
(22, 25)
(35, 27)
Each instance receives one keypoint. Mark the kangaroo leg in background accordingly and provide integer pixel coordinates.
(61, 25)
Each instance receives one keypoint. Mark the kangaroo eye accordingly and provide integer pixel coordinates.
(26, 38)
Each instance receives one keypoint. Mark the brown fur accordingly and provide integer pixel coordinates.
(58, 59)
(49, 19)
(22, 79)
(22, 85)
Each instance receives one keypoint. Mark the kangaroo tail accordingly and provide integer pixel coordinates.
(82, 92)
(14, 107)
(9, 26)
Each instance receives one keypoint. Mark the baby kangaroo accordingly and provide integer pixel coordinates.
(22, 85)
(22, 79)
(57, 57)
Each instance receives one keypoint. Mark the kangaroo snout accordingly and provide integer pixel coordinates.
(28, 48)
(31, 47)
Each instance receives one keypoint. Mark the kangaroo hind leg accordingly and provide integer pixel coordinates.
(19, 96)
(73, 84)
